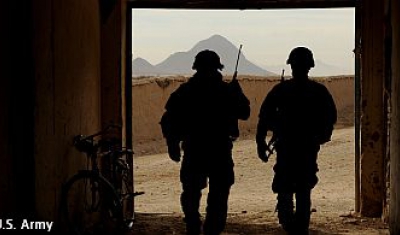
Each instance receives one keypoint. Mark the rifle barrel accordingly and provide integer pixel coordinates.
(237, 62)
(283, 75)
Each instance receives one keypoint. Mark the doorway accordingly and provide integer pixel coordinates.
(163, 85)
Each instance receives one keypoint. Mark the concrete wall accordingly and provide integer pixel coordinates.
(149, 97)
(67, 101)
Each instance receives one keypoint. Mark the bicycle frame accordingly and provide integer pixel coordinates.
(108, 167)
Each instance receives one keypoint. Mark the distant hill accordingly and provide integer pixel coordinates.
(180, 63)
(141, 67)
(321, 69)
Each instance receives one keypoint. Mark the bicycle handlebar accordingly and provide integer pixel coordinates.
(104, 130)
(87, 144)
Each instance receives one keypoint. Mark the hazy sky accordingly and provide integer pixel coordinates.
(267, 35)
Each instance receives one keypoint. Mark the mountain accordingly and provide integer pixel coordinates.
(180, 63)
(321, 69)
(141, 67)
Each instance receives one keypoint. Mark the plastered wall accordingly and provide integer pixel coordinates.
(149, 97)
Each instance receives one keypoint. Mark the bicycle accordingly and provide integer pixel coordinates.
(95, 200)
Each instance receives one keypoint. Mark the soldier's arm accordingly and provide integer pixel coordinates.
(170, 119)
(265, 123)
(262, 125)
(333, 110)
(242, 103)
(330, 113)
(268, 109)
(171, 126)
(244, 107)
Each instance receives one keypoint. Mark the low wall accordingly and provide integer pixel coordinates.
(150, 95)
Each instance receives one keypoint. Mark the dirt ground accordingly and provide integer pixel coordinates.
(252, 203)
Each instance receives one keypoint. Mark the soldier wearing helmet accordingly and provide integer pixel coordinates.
(197, 118)
(207, 60)
(301, 56)
(301, 114)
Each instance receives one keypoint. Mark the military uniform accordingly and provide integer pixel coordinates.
(199, 116)
(301, 114)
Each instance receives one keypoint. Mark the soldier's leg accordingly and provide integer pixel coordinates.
(305, 183)
(303, 211)
(220, 183)
(285, 211)
(192, 184)
(190, 202)
(283, 185)
(217, 209)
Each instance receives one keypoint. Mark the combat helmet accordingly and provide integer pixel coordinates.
(301, 56)
(207, 59)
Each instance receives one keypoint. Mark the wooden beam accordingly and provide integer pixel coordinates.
(394, 214)
(240, 4)
(373, 133)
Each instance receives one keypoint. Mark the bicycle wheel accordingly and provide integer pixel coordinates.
(90, 205)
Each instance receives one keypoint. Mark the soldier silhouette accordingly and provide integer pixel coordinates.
(199, 117)
(301, 114)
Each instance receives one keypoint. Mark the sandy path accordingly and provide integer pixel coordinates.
(252, 203)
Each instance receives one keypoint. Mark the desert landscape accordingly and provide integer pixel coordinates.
(251, 203)
(150, 94)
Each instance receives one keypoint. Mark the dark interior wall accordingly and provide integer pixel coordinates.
(51, 90)
(67, 84)
(111, 50)
(16, 105)
(5, 157)
(394, 215)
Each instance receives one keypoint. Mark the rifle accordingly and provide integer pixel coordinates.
(271, 146)
(234, 130)
(237, 63)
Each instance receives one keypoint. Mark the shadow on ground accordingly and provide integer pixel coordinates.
(238, 224)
